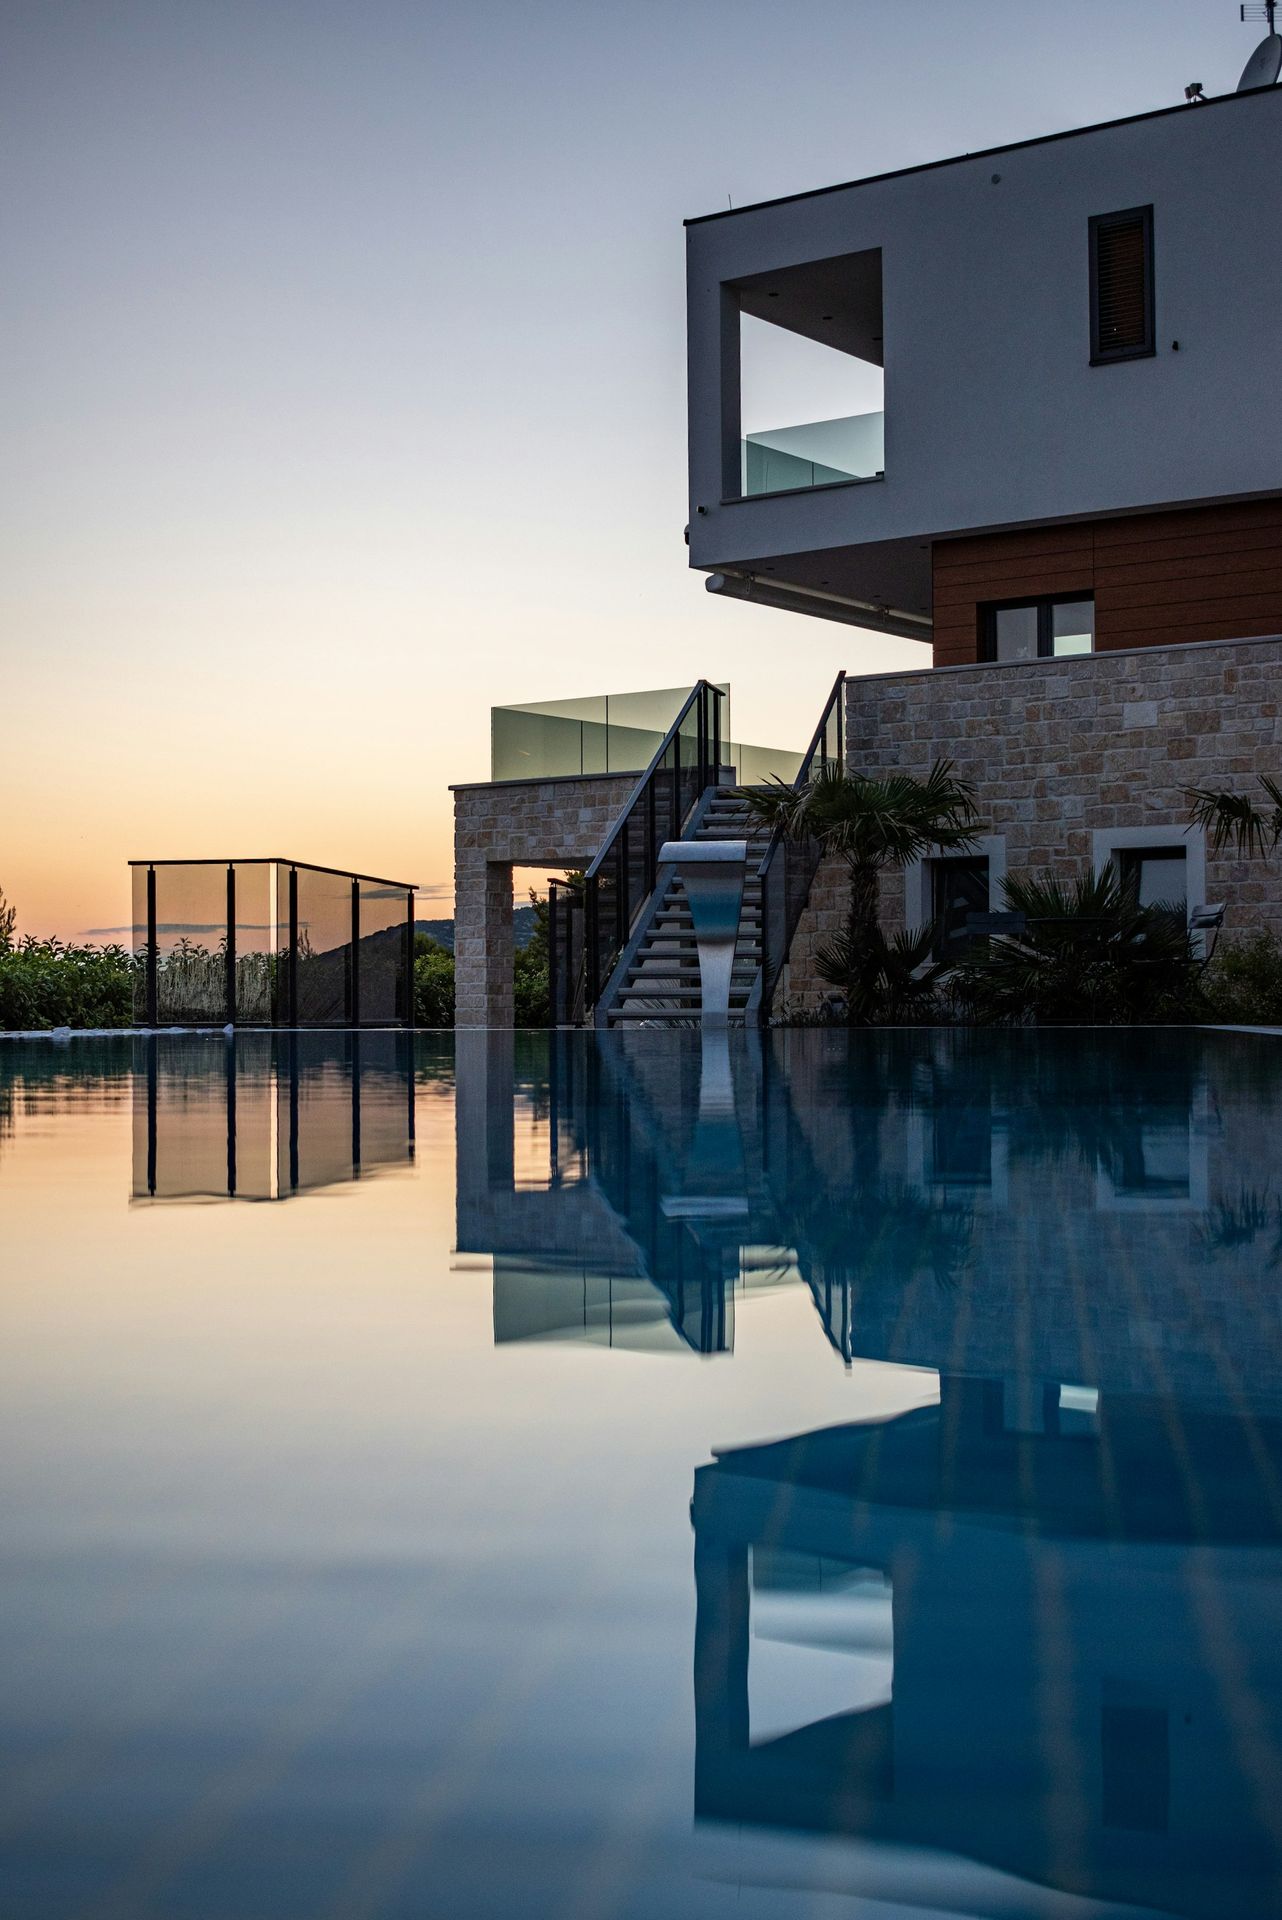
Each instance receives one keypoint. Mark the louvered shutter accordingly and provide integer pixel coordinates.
(1122, 285)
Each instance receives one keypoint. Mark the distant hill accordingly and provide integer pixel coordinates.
(442, 931)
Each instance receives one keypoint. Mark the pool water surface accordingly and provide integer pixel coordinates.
(641, 1476)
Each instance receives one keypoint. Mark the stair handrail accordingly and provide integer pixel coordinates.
(665, 784)
(788, 866)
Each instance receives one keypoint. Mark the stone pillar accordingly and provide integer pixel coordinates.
(483, 949)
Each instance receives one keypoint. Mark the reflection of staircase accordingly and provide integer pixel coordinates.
(657, 978)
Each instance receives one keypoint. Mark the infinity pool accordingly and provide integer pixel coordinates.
(635, 1476)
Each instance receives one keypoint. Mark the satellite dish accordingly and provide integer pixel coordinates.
(1264, 66)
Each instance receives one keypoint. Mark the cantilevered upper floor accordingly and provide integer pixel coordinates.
(1058, 332)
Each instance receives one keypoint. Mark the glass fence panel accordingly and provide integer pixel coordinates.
(285, 1014)
(528, 746)
(596, 746)
(689, 781)
(821, 453)
(638, 723)
(255, 942)
(381, 971)
(754, 766)
(138, 886)
(324, 959)
(630, 749)
(191, 944)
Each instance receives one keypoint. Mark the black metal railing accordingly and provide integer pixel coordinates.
(270, 943)
(788, 866)
(622, 877)
(565, 952)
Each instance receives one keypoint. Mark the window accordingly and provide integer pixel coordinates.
(1122, 323)
(959, 887)
(1156, 877)
(1050, 629)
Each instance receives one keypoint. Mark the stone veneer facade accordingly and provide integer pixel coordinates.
(1062, 751)
(558, 823)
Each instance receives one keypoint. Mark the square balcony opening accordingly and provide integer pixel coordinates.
(811, 377)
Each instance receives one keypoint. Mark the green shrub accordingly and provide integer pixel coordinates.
(44, 984)
(1089, 954)
(1243, 984)
(433, 983)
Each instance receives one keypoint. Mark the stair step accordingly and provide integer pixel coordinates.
(683, 995)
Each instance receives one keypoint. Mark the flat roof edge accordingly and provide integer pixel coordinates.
(279, 860)
(980, 153)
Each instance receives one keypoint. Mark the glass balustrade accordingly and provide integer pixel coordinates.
(822, 453)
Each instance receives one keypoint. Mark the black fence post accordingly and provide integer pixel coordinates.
(592, 967)
(231, 944)
(622, 914)
(354, 975)
(407, 1010)
(651, 839)
(676, 786)
(292, 969)
(153, 983)
(554, 967)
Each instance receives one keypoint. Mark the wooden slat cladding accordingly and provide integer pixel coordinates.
(1197, 573)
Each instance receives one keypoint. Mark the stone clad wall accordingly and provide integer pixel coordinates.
(1059, 749)
(499, 825)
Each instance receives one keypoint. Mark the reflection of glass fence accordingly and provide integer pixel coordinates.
(269, 1115)
(270, 943)
(823, 453)
(610, 733)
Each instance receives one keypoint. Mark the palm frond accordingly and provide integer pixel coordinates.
(1234, 819)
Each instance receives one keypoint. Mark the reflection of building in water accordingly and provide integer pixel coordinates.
(265, 1115)
(634, 1189)
(1055, 1652)
(1038, 1625)
(632, 1224)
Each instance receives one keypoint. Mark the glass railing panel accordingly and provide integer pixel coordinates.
(821, 453)
(255, 942)
(754, 766)
(324, 948)
(381, 973)
(529, 746)
(191, 944)
(138, 885)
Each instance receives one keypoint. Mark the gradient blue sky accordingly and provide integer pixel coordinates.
(343, 380)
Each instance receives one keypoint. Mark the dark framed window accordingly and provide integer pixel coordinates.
(1052, 628)
(1122, 311)
(958, 888)
(1156, 877)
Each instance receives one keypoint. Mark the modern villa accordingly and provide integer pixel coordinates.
(1071, 488)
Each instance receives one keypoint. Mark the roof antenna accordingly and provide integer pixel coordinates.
(1265, 64)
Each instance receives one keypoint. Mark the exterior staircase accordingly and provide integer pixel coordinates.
(657, 980)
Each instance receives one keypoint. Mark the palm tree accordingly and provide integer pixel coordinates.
(1235, 818)
(1087, 953)
(871, 825)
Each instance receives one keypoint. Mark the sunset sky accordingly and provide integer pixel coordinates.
(344, 381)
